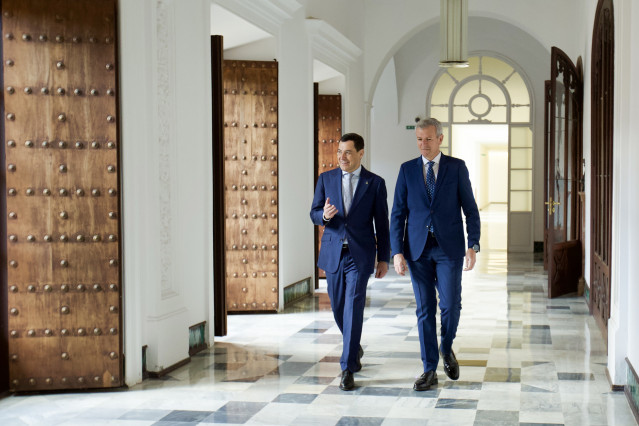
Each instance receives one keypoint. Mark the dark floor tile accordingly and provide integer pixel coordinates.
(360, 421)
(295, 398)
(291, 368)
(496, 418)
(185, 416)
(381, 391)
(463, 385)
(314, 380)
(470, 404)
(575, 376)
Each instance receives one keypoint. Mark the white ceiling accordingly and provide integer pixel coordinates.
(238, 32)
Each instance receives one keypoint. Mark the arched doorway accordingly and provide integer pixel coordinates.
(492, 92)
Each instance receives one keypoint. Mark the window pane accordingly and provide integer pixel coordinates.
(462, 73)
(521, 158)
(440, 113)
(520, 137)
(467, 91)
(521, 180)
(520, 114)
(517, 90)
(443, 88)
(520, 201)
(495, 68)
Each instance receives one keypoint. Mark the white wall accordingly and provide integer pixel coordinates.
(166, 158)
(624, 316)
(296, 149)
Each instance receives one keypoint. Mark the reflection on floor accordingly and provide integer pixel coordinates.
(494, 227)
(524, 360)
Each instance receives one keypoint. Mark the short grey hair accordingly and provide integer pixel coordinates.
(427, 122)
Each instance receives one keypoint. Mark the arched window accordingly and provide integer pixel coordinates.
(492, 91)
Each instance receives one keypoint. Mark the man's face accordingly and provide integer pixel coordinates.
(428, 142)
(348, 157)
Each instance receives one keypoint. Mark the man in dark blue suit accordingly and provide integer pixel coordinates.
(347, 201)
(427, 234)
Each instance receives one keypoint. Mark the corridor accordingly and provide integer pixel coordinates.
(525, 360)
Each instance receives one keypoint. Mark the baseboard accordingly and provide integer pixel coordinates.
(162, 373)
(632, 390)
(613, 387)
(297, 291)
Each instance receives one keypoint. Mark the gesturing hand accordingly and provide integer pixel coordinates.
(329, 209)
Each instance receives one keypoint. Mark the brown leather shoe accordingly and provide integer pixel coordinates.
(347, 383)
(425, 381)
(451, 367)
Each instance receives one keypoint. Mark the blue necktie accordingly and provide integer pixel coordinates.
(430, 180)
(430, 187)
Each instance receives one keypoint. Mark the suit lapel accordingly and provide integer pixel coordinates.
(419, 171)
(337, 185)
(441, 173)
(362, 186)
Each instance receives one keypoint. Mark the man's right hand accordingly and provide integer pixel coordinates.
(400, 264)
(329, 210)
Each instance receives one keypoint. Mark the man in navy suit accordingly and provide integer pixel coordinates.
(427, 235)
(347, 201)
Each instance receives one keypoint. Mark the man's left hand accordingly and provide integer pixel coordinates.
(382, 268)
(469, 260)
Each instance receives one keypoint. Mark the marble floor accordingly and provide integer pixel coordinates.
(525, 360)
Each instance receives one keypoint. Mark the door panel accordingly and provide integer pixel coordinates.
(602, 96)
(62, 194)
(563, 158)
(329, 119)
(250, 180)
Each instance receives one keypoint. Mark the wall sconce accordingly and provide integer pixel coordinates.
(453, 33)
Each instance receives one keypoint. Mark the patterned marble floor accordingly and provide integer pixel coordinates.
(525, 360)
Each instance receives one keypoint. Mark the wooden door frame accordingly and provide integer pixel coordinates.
(219, 233)
(564, 257)
(4, 309)
(602, 84)
(315, 174)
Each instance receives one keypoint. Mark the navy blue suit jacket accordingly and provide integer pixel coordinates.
(369, 204)
(412, 211)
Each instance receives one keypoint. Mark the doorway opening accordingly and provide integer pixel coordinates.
(484, 148)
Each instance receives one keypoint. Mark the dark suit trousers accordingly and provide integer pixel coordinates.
(436, 271)
(347, 291)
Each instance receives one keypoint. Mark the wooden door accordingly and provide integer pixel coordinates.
(602, 83)
(62, 194)
(563, 178)
(251, 195)
(329, 125)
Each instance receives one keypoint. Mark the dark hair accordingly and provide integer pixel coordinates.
(358, 141)
(427, 122)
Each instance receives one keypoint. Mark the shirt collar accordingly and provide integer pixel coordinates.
(437, 158)
(356, 173)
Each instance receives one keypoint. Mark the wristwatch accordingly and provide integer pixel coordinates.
(476, 248)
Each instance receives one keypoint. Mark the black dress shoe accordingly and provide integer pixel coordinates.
(361, 351)
(451, 367)
(425, 381)
(347, 383)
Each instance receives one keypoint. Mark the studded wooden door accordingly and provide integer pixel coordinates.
(250, 175)
(62, 194)
(329, 123)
